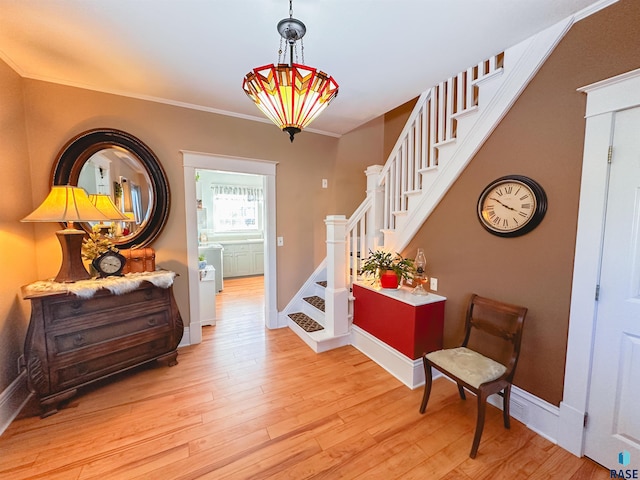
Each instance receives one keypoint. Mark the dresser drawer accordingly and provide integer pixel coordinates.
(63, 309)
(72, 340)
(77, 373)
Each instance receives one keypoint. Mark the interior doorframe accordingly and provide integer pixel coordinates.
(604, 99)
(195, 160)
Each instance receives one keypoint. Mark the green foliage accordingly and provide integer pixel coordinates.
(379, 261)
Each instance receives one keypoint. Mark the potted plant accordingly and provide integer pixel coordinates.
(202, 261)
(390, 269)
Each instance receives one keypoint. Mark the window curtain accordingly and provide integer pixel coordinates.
(236, 208)
(237, 193)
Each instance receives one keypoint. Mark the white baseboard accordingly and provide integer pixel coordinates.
(12, 400)
(283, 320)
(408, 371)
(571, 429)
(537, 414)
(186, 338)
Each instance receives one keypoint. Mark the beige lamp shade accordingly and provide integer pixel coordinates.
(66, 203)
(104, 203)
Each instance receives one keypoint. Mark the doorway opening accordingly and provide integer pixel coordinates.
(243, 242)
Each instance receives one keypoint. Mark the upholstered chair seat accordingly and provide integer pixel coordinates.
(467, 365)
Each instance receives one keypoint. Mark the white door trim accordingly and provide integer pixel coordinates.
(193, 160)
(603, 100)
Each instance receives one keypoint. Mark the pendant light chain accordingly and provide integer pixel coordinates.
(294, 45)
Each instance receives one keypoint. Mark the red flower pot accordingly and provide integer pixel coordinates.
(389, 279)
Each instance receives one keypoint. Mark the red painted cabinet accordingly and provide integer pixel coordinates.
(411, 324)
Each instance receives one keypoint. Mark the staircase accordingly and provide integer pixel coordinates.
(448, 125)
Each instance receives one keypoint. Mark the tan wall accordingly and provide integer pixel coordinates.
(542, 137)
(356, 151)
(17, 248)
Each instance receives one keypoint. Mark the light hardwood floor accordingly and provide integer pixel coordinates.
(250, 403)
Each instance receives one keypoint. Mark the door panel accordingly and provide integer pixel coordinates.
(614, 409)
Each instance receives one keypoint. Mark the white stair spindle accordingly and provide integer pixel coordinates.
(424, 117)
(469, 89)
(432, 128)
(449, 109)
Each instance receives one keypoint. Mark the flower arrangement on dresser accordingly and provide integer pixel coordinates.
(96, 244)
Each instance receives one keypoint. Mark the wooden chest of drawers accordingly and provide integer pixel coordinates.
(73, 341)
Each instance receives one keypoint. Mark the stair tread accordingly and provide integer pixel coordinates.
(322, 283)
(316, 302)
(305, 322)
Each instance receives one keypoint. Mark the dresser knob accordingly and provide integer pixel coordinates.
(76, 304)
(78, 340)
(152, 322)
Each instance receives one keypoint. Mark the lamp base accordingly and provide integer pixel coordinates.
(72, 268)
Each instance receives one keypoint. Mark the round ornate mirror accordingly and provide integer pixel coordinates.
(116, 164)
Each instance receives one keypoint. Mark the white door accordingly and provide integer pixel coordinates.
(614, 397)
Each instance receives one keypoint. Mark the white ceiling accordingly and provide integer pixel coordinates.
(196, 52)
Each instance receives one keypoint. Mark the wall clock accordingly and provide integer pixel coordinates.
(110, 263)
(512, 206)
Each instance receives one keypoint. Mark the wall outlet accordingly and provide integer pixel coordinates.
(433, 284)
(325, 183)
(280, 241)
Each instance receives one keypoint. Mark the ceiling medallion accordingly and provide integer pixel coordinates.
(291, 95)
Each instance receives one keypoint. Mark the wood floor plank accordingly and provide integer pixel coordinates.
(254, 403)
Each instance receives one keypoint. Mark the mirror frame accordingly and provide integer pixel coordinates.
(73, 156)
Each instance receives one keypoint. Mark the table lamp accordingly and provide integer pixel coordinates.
(66, 203)
(103, 202)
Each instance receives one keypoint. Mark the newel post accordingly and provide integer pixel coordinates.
(375, 216)
(336, 293)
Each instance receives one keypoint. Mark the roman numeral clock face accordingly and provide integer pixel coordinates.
(511, 206)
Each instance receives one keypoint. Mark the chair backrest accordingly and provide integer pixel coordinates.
(494, 329)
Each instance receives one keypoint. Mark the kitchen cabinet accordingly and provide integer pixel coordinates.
(242, 259)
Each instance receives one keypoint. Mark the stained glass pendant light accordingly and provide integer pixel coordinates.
(291, 95)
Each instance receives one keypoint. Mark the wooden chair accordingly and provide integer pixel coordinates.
(486, 361)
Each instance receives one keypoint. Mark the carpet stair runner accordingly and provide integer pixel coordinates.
(316, 302)
(304, 321)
